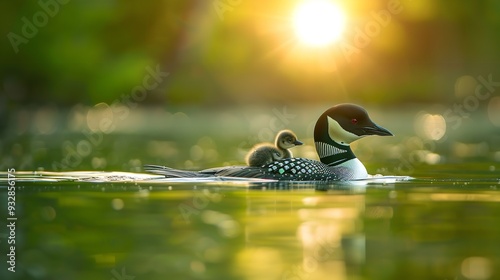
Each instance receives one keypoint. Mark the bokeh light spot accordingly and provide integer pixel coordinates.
(45, 120)
(432, 158)
(431, 127)
(196, 153)
(48, 213)
(476, 268)
(465, 86)
(197, 267)
(117, 204)
(100, 118)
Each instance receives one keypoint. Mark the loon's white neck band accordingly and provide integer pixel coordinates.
(333, 153)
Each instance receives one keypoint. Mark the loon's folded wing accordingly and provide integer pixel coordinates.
(226, 171)
(174, 173)
(242, 171)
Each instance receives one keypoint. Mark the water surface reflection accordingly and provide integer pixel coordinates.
(417, 229)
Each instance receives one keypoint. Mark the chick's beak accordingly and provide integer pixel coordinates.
(298, 143)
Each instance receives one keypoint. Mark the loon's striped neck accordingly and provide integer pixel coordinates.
(333, 153)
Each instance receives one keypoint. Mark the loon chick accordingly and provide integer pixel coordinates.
(335, 129)
(262, 154)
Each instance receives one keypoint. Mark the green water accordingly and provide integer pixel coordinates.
(441, 225)
(420, 229)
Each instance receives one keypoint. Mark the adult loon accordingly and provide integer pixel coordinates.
(335, 129)
(264, 153)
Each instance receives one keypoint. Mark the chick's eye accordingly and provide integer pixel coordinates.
(354, 121)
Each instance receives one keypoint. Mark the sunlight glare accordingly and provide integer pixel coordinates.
(318, 22)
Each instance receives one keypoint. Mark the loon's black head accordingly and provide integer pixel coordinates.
(345, 123)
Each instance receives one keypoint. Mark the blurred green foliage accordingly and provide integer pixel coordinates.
(239, 52)
(70, 67)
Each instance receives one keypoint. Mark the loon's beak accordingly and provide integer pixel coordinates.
(376, 130)
(298, 143)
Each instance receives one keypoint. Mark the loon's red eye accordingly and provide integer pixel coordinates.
(354, 121)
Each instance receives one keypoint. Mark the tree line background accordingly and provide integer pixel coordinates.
(226, 52)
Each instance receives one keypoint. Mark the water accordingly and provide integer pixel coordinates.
(442, 224)
(96, 225)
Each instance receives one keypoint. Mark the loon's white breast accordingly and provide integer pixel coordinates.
(356, 167)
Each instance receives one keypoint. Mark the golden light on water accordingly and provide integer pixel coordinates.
(318, 22)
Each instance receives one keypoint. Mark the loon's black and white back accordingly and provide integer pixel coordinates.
(335, 129)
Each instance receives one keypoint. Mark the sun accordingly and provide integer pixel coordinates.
(318, 22)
